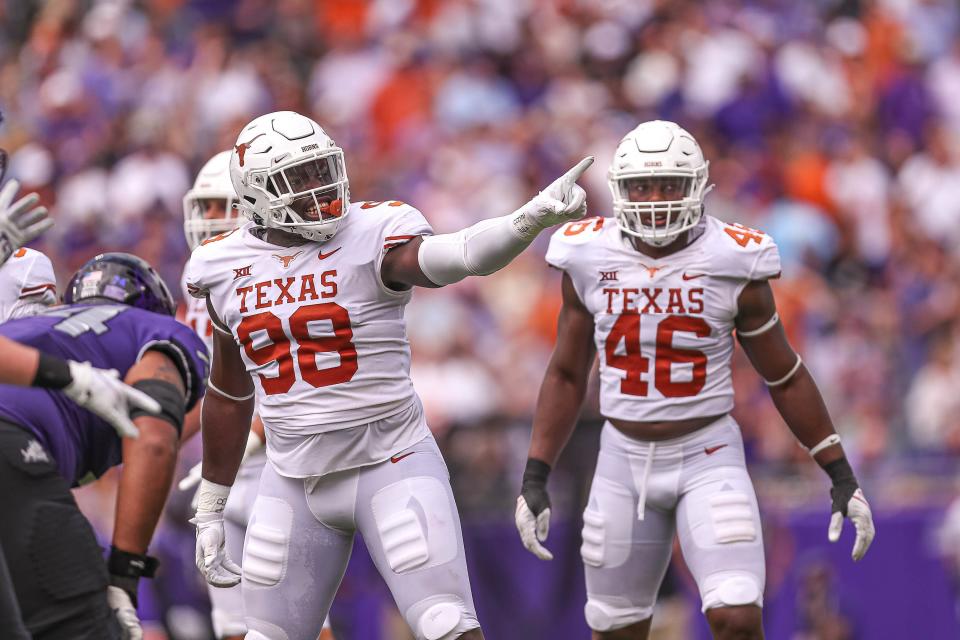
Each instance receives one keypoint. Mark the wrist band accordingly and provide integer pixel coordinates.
(52, 372)
(211, 497)
(766, 326)
(131, 565)
(829, 441)
(840, 472)
(536, 471)
(790, 374)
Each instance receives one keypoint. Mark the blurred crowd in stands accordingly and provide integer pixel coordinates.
(833, 125)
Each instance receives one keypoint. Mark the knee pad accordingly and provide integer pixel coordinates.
(731, 589)
(608, 613)
(441, 617)
(268, 539)
(732, 516)
(416, 524)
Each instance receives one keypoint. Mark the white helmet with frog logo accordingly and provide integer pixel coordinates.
(290, 175)
(662, 154)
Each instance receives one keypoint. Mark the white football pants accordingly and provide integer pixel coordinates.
(696, 485)
(301, 534)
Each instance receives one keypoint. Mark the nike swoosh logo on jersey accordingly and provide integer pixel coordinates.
(396, 459)
(693, 276)
(712, 450)
(323, 256)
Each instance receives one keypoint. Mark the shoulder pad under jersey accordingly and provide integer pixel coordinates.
(740, 252)
(566, 240)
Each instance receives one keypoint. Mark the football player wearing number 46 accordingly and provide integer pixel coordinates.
(658, 292)
(307, 302)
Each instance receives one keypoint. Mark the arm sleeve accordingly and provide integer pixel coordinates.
(189, 354)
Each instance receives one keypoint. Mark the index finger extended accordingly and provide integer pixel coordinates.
(578, 170)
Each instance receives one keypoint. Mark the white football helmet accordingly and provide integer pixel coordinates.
(290, 175)
(212, 183)
(664, 153)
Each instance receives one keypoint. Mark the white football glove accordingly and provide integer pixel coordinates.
(21, 221)
(564, 200)
(858, 511)
(533, 529)
(211, 554)
(125, 612)
(102, 392)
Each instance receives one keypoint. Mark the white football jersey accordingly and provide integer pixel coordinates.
(663, 328)
(195, 314)
(322, 337)
(26, 282)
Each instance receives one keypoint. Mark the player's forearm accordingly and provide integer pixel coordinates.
(558, 407)
(191, 423)
(148, 467)
(478, 250)
(802, 408)
(225, 424)
(19, 363)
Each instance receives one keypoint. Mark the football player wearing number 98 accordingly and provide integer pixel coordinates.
(307, 303)
(658, 291)
(209, 209)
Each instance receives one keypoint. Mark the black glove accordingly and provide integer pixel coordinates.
(534, 487)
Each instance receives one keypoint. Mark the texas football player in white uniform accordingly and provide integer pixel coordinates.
(307, 304)
(27, 284)
(658, 292)
(209, 208)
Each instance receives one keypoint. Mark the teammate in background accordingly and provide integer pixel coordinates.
(118, 315)
(658, 291)
(307, 307)
(209, 208)
(27, 284)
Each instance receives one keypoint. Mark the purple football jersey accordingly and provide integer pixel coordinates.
(109, 336)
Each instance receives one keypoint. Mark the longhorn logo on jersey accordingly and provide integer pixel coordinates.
(286, 260)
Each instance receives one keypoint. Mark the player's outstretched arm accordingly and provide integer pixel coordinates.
(798, 400)
(20, 221)
(226, 414)
(97, 390)
(489, 245)
(558, 405)
(148, 466)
